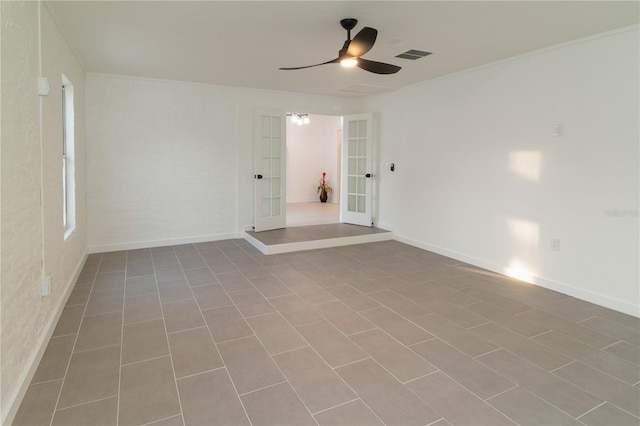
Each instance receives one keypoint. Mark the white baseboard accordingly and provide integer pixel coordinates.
(105, 248)
(25, 379)
(565, 288)
(317, 244)
(256, 243)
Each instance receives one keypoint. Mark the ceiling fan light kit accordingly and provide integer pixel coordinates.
(349, 62)
(351, 53)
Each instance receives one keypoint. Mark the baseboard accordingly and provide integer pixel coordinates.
(565, 288)
(256, 243)
(317, 244)
(34, 362)
(105, 248)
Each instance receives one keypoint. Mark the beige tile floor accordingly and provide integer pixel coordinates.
(380, 333)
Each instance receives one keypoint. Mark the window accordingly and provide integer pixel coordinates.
(68, 164)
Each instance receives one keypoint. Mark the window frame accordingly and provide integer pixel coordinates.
(68, 157)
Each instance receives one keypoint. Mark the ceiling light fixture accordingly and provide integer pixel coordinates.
(298, 118)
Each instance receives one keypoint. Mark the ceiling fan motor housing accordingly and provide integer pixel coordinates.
(348, 23)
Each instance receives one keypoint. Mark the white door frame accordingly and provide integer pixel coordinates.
(372, 191)
(358, 171)
(270, 203)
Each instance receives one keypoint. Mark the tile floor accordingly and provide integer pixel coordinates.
(380, 333)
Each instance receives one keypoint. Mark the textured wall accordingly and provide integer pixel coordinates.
(27, 317)
(480, 175)
(21, 222)
(62, 257)
(171, 161)
(162, 162)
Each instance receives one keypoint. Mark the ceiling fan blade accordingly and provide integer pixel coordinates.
(377, 67)
(362, 42)
(333, 61)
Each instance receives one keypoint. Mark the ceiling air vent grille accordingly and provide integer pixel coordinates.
(413, 54)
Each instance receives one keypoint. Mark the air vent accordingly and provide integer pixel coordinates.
(413, 54)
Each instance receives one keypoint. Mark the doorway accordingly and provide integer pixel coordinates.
(313, 148)
(354, 193)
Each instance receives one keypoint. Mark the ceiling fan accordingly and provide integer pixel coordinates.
(351, 53)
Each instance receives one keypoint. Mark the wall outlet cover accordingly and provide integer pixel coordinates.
(46, 286)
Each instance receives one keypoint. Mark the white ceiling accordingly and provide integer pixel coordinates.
(243, 43)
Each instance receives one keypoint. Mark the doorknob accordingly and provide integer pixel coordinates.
(257, 176)
(368, 175)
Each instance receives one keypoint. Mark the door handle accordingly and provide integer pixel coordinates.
(257, 176)
(368, 175)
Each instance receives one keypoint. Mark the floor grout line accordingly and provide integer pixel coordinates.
(608, 346)
(353, 362)
(124, 291)
(188, 376)
(422, 377)
(215, 344)
(539, 334)
(503, 392)
(336, 406)
(265, 349)
(594, 408)
(166, 335)
(487, 353)
(587, 319)
(88, 402)
(75, 342)
(562, 366)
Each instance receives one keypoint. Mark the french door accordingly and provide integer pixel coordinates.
(357, 169)
(269, 171)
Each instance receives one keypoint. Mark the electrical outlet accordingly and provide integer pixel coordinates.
(46, 286)
(555, 244)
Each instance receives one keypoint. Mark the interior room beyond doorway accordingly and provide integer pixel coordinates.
(312, 149)
(313, 213)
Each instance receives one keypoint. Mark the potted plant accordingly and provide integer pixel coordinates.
(324, 188)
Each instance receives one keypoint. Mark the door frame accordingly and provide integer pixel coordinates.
(356, 217)
(341, 159)
(262, 176)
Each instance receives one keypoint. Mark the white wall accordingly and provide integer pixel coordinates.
(31, 153)
(172, 162)
(162, 161)
(312, 149)
(481, 177)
